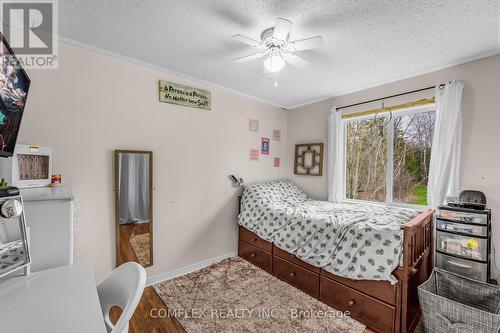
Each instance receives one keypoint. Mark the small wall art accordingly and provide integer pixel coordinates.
(276, 162)
(309, 159)
(253, 125)
(254, 154)
(264, 146)
(276, 135)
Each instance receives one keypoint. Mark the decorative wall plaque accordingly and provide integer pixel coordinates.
(174, 93)
(309, 159)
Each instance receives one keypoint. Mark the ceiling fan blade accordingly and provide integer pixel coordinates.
(248, 57)
(246, 40)
(296, 60)
(282, 29)
(307, 43)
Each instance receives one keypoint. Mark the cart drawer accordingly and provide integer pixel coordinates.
(471, 269)
(468, 247)
(463, 217)
(471, 229)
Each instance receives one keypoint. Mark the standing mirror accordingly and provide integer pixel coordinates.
(134, 206)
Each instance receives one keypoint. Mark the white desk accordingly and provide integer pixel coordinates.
(59, 300)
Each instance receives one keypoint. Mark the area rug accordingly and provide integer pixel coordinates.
(235, 296)
(141, 246)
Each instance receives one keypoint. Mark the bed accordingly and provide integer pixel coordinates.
(361, 258)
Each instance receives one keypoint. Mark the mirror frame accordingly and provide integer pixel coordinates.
(117, 200)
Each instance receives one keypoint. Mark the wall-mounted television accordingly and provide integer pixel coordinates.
(14, 86)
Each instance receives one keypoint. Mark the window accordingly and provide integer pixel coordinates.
(389, 163)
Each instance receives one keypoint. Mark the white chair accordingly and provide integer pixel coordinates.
(123, 287)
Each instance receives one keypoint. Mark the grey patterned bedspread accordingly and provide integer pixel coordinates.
(356, 241)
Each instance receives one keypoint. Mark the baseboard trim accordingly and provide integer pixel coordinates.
(187, 269)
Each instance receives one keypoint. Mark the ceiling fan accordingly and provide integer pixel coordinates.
(276, 45)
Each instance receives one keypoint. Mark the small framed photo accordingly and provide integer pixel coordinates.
(264, 146)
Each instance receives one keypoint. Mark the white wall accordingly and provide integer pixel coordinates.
(95, 103)
(481, 127)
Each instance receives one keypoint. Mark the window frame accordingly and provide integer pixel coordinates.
(390, 155)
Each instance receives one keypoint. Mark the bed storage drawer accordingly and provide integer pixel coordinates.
(294, 259)
(297, 276)
(251, 238)
(373, 313)
(255, 255)
(382, 290)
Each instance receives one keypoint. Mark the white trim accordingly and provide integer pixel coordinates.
(398, 78)
(386, 204)
(192, 79)
(389, 166)
(258, 99)
(187, 269)
(498, 36)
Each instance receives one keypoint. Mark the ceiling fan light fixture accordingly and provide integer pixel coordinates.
(275, 62)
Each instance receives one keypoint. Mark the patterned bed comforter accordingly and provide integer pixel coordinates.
(356, 241)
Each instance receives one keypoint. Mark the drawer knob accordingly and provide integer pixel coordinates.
(292, 274)
(254, 239)
(252, 255)
(351, 302)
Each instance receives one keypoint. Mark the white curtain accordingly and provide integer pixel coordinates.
(335, 156)
(444, 170)
(134, 188)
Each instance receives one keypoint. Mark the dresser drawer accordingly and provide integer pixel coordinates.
(255, 255)
(297, 276)
(374, 314)
(251, 238)
(294, 259)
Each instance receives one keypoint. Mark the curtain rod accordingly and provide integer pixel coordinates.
(387, 97)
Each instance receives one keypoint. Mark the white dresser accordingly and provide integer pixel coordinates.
(49, 215)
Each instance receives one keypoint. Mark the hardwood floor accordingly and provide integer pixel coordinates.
(127, 253)
(143, 322)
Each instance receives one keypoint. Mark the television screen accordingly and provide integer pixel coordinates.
(14, 86)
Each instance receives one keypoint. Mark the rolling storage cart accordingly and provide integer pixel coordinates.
(463, 241)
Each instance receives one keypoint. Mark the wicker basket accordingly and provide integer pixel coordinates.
(451, 303)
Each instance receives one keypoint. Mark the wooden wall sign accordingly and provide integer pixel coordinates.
(179, 94)
(309, 159)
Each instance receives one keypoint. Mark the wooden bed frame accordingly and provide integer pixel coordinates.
(382, 307)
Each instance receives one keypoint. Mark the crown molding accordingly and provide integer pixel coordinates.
(167, 71)
(399, 78)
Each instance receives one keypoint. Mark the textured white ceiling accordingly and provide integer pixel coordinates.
(367, 42)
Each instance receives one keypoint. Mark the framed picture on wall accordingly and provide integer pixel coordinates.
(264, 147)
(308, 159)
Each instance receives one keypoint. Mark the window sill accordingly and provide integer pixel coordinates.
(393, 204)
